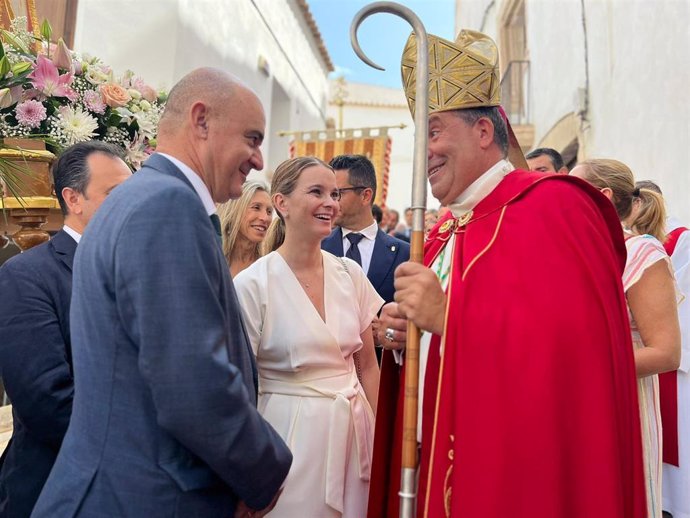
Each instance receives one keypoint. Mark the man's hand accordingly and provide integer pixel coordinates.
(391, 319)
(420, 297)
(244, 511)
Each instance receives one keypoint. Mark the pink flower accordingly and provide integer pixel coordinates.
(5, 98)
(93, 102)
(48, 80)
(30, 113)
(63, 57)
(145, 90)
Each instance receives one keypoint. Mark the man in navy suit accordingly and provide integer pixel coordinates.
(357, 235)
(164, 419)
(35, 356)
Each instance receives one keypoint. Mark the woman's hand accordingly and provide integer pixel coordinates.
(392, 329)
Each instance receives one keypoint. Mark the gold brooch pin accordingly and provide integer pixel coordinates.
(465, 218)
(446, 226)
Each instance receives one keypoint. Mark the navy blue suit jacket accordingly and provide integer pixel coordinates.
(388, 253)
(36, 367)
(164, 419)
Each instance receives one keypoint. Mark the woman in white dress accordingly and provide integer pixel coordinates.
(308, 315)
(652, 299)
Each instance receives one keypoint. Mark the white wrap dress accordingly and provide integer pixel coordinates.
(308, 385)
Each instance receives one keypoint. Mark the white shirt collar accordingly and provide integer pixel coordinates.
(72, 233)
(480, 188)
(196, 181)
(368, 232)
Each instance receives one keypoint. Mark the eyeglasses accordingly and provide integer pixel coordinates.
(355, 188)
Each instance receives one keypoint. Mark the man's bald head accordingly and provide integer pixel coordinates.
(215, 125)
(211, 86)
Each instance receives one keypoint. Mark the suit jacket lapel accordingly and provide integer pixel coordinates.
(165, 166)
(334, 243)
(382, 259)
(64, 246)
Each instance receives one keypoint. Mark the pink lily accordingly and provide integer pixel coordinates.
(48, 80)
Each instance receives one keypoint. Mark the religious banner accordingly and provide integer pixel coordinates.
(374, 143)
(25, 7)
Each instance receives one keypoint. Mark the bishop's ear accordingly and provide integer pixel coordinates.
(485, 132)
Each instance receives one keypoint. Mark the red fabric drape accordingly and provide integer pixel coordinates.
(537, 413)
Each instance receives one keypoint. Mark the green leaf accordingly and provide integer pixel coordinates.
(5, 66)
(21, 67)
(14, 41)
(2, 50)
(46, 30)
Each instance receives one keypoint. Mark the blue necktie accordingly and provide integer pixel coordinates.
(353, 252)
(215, 221)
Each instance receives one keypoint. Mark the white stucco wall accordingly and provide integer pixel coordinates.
(161, 40)
(639, 76)
(372, 106)
(638, 51)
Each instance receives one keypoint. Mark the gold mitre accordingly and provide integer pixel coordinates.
(462, 74)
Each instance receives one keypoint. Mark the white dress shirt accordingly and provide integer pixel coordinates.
(72, 233)
(197, 183)
(366, 245)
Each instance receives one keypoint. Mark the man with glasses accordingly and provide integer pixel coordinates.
(357, 234)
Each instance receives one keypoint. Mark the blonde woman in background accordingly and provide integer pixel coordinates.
(652, 300)
(244, 223)
(308, 315)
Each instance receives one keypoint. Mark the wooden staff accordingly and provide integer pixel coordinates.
(408, 489)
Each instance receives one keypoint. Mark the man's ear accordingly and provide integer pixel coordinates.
(485, 131)
(368, 197)
(73, 200)
(199, 119)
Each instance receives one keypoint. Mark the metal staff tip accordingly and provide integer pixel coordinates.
(383, 7)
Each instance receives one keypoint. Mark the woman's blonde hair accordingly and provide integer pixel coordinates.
(607, 173)
(231, 214)
(651, 214)
(284, 181)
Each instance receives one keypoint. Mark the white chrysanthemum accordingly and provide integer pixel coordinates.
(148, 123)
(76, 124)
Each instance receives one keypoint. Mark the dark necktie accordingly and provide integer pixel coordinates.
(215, 221)
(353, 252)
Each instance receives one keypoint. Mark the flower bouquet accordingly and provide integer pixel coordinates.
(51, 93)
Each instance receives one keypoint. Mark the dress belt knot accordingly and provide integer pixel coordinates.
(349, 406)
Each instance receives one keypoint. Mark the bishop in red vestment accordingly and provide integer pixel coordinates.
(530, 400)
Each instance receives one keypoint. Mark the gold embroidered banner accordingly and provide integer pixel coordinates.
(7, 13)
(374, 143)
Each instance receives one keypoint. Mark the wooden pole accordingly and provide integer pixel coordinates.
(408, 484)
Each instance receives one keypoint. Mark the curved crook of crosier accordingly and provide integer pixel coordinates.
(421, 96)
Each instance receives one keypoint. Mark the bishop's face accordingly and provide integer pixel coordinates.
(453, 150)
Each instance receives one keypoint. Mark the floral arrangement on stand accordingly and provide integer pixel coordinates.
(51, 93)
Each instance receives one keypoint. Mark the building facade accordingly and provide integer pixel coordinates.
(358, 105)
(274, 46)
(597, 79)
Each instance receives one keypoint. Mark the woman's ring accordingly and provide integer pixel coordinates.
(390, 334)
